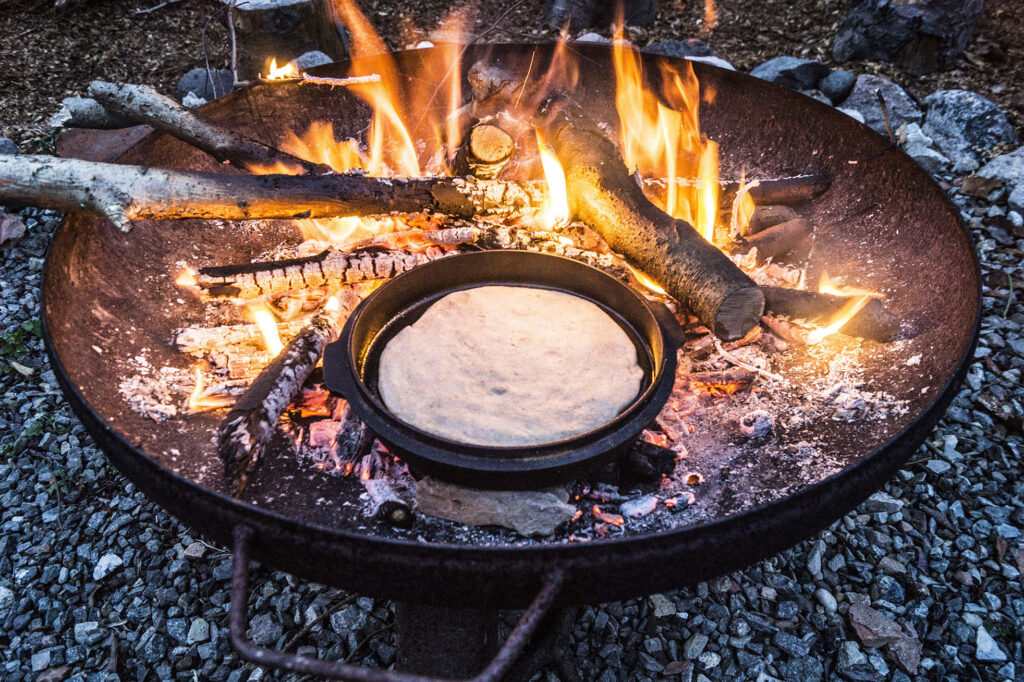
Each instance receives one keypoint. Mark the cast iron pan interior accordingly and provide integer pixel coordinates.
(351, 365)
(884, 221)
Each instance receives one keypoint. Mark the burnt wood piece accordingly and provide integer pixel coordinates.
(199, 339)
(604, 196)
(143, 104)
(485, 151)
(248, 427)
(725, 381)
(796, 189)
(387, 505)
(769, 215)
(447, 236)
(775, 241)
(873, 321)
(328, 268)
(646, 463)
(354, 437)
(125, 193)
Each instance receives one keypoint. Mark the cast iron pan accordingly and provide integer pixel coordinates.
(351, 362)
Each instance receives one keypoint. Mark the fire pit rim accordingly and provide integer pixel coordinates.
(163, 486)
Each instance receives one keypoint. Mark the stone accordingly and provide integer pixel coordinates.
(987, 648)
(862, 98)
(198, 632)
(592, 38)
(89, 633)
(714, 61)
(1009, 170)
(6, 601)
(872, 627)
(803, 669)
(852, 113)
(196, 550)
(40, 660)
(791, 72)
(837, 85)
(201, 84)
(192, 101)
(7, 146)
(853, 664)
(923, 36)
(890, 590)
(529, 513)
(577, 15)
(107, 564)
(264, 631)
(313, 58)
(12, 228)
(695, 645)
(691, 47)
(791, 644)
(907, 653)
(938, 466)
(662, 605)
(826, 599)
(964, 126)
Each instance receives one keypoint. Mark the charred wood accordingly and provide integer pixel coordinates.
(724, 382)
(775, 241)
(448, 236)
(143, 104)
(485, 151)
(689, 268)
(873, 321)
(387, 505)
(125, 193)
(85, 112)
(769, 215)
(199, 339)
(797, 189)
(248, 427)
(646, 463)
(354, 437)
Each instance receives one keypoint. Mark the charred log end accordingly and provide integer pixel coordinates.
(769, 215)
(490, 144)
(645, 463)
(396, 514)
(732, 321)
(778, 240)
(873, 322)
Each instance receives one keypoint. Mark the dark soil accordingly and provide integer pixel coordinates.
(48, 54)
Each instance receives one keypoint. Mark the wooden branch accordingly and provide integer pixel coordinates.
(796, 189)
(605, 197)
(85, 112)
(873, 321)
(199, 339)
(329, 268)
(447, 236)
(775, 241)
(386, 504)
(143, 104)
(247, 428)
(769, 215)
(126, 193)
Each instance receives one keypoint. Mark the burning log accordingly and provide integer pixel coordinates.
(329, 267)
(688, 267)
(796, 189)
(143, 104)
(873, 321)
(354, 438)
(725, 382)
(485, 151)
(775, 241)
(247, 428)
(126, 193)
(201, 339)
(768, 216)
(448, 236)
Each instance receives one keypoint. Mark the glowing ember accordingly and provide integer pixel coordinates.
(187, 278)
(605, 517)
(557, 208)
(277, 73)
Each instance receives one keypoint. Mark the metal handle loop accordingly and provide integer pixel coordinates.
(238, 624)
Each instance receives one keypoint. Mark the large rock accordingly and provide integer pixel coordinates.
(921, 148)
(7, 146)
(578, 15)
(199, 83)
(791, 72)
(528, 512)
(691, 47)
(965, 125)
(921, 35)
(902, 109)
(1009, 170)
(837, 85)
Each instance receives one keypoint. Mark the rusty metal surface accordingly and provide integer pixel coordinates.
(885, 216)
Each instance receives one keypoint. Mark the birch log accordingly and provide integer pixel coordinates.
(125, 193)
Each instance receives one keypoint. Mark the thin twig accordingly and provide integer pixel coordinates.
(1009, 297)
(334, 82)
(234, 46)
(316, 621)
(366, 639)
(155, 7)
(744, 365)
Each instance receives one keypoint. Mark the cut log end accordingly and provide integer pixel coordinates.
(738, 313)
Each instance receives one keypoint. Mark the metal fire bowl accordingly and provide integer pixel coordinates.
(109, 297)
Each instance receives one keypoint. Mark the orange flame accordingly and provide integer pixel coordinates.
(661, 135)
(267, 324)
(556, 209)
(198, 401)
(645, 280)
(858, 298)
(742, 209)
(275, 72)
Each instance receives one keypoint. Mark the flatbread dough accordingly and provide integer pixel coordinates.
(508, 366)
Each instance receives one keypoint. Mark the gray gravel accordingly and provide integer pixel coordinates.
(921, 582)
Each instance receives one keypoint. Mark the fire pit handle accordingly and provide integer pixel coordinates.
(238, 619)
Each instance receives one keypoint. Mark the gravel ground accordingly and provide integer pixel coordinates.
(96, 579)
(920, 582)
